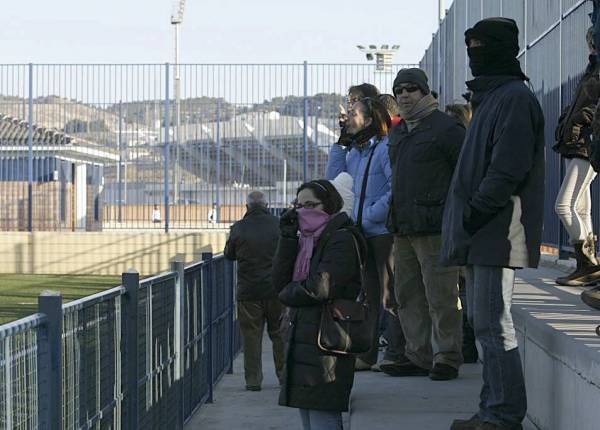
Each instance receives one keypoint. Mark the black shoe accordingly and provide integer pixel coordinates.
(470, 353)
(470, 424)
(403, 369)
(253, 388)
(443, 372)
(591, 297)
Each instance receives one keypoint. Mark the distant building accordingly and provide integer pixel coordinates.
(67, 179)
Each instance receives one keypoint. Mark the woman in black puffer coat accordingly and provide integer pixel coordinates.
(316, 260)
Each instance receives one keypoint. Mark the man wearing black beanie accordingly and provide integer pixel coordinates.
(492, 219)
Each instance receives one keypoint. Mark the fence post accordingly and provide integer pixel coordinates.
(120, 168)
(231, 321)
(167, 146)
(305, 131)
(30, 154)
(207, 283)
(178, 267)
(50, 384)
(131, 283)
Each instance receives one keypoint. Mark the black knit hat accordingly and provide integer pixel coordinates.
(412, 76)
(500, 32)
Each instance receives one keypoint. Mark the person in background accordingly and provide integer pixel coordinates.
(492, 219)
(392, 337)
(213, 214)
(316, 261)
(463, 114)
(364, 155)
(424, 150)
(391, 105)
(574, 200)
(156, 215)
(252, 243)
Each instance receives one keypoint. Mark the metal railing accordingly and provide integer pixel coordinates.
(145, 354)
(92, 147)
(553, 54)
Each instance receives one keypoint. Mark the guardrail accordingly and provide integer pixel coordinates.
(145, 354)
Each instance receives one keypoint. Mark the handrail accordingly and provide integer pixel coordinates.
(14, 327)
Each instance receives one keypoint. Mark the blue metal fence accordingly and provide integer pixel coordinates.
(553, 54)
(145, 354)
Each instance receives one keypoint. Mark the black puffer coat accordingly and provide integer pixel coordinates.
(423, 162)
(314, 379)
(573, 134)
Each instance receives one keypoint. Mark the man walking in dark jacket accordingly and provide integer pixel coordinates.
(423, 150)
(252, 242)
(493, 216)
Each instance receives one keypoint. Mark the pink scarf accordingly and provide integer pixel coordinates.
(312, 222)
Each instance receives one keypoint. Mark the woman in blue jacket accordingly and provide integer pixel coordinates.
(363, 151)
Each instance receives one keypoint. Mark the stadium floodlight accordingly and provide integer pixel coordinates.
(176, 20)
(384, 56)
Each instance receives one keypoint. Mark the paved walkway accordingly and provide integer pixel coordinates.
(379, 402)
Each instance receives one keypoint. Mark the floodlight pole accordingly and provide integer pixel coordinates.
(176, 20)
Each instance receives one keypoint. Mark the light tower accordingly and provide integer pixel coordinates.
(176, 20)
(383, 55)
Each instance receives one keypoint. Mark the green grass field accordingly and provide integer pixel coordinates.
(19, 293)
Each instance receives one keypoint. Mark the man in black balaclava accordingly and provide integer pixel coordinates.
(492, 220)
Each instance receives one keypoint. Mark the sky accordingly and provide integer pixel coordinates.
(218, 31)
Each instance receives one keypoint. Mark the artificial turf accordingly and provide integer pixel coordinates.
(19, 293)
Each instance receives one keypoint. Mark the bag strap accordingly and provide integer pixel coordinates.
(363, 276)
(363, 190)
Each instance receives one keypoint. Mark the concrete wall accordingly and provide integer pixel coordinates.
(102, 252)
(560, 352)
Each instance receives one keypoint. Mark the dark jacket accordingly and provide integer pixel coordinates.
(314, 379)
(252, 242)
(573, 134)
(423, 161)
(494, 212)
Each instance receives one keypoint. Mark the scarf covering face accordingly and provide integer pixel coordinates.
(312, 222)
(420, 110)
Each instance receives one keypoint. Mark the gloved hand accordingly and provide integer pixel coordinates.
(474, 220)
(288, 224)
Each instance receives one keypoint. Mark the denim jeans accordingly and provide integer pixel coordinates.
(503, 398)
(321, 420)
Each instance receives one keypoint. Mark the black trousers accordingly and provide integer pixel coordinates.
(380, 275)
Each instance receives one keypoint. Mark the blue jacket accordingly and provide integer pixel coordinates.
(379, 183)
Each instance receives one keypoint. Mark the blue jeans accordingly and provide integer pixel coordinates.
(489, 296)
(321, 420)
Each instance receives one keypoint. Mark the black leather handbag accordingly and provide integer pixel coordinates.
(345, 328)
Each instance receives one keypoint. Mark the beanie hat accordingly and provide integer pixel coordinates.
(412, 76)
(343, 184)
(497, 32)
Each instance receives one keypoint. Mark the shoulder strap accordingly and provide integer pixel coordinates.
(363, 190)
(363, 275)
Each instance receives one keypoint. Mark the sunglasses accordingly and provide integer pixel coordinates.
(407, 88)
